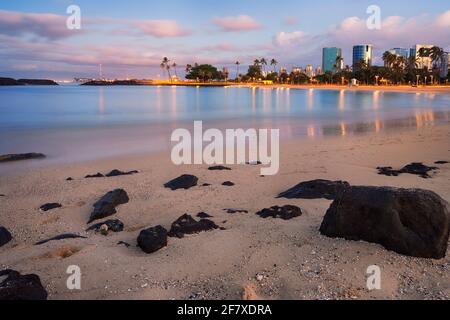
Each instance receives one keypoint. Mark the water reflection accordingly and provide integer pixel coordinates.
(342, 100)
(101, 101)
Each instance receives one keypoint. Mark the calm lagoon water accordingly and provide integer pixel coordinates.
(81, 123)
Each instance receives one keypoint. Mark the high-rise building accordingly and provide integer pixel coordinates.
(330, 61)
(445, 66)
(319, 71)
(422, 62)
(364, 53)
(401, 52)
(309, 71)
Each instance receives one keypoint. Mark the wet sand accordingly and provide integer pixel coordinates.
(270, 258)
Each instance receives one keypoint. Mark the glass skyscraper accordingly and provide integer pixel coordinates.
(329, 56)
(363, 53)
(401, 52)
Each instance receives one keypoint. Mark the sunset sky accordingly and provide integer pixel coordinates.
(130, 37)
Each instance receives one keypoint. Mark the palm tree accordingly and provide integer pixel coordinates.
(168, 72)
(437, 55)
(389, 59)
(237, 63)
(165, 65)
(263, 63)
(174, 65)
(188, 68)
(274, 63)
(338, 65)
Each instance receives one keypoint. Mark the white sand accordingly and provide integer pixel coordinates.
(296, 261)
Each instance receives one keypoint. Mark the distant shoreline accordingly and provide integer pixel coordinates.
(399, 88)
(25, 82)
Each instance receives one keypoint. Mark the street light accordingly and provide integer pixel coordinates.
(417, 76)
(426, 81)
(376, 80)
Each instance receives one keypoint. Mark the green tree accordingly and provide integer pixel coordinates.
(204, 72)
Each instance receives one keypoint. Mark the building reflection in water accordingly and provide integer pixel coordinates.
(376, 98)
(419, 120)
(342, 100)
(310, 99)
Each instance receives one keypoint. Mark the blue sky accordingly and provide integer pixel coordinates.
(130, 37)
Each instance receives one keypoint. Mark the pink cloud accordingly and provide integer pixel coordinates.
(44, 25)
(161, 28)
(237, 23)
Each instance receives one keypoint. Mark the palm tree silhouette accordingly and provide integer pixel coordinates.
(338, 64)
(237, 63)
(263, 64)
(165, 65)
(274, 63)
(174, 65)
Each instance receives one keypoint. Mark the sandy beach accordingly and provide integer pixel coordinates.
(267, 258)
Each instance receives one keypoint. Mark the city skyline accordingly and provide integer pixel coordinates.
(36, 43)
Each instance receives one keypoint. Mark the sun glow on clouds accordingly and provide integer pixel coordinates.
(119, 44)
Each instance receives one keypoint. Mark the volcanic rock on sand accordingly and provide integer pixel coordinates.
(185, 181)
(315, 189)
(188, 225)
(152, 239)
(285, 212)
(412, 222)
(106, 206)
(14, 286)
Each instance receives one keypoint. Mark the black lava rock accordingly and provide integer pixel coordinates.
(218, 168)
(188, 225)
(113, 225)
(315, 189)
(50, 206)
(60, 237)
(15, 286)
(117, 173)
(106, 206)
(286, 212)
(203, 215)
(411, 222)
(185, 181)
(416, 168)
(97, 175)
(5, 236)
(232, 211)
(152, 239)
(228, 184)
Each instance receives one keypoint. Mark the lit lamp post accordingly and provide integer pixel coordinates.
(417, 76)
(342, 80)
(376, 80)
(426, 81)
(432, 80)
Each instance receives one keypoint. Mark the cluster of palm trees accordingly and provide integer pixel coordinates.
(167, 65)
(262, 64)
